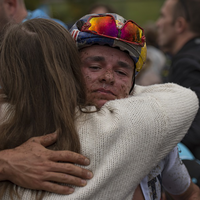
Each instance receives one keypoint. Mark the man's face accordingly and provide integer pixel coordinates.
(108, 73)
(4, 19)
(165, 25)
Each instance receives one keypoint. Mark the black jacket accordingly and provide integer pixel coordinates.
(185, 71)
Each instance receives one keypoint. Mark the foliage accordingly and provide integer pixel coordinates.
(141, 11)
(32, 4)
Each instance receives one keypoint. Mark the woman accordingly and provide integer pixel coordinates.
(43, 87)
(42, 84)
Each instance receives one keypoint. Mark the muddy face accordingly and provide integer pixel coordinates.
(108, 74)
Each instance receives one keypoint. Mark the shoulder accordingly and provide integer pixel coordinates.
(60, 22)
(185, 69)
(184, 60)
(38, 13)
(189, 55)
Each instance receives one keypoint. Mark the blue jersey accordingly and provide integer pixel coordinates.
(41, 14)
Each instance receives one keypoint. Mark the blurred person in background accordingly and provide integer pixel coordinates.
(179, 35)
(15, 10)
(156, 60)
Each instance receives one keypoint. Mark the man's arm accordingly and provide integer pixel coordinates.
(138, 195)
(192, 193)
(33, 166)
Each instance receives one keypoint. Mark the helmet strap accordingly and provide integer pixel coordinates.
(133, 81)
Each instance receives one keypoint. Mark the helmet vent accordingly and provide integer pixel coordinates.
(79, 24)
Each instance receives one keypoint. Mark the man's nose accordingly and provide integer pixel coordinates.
(158, 23)
(107, 77)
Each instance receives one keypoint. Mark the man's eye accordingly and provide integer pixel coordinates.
(94, 67)
(121, 73)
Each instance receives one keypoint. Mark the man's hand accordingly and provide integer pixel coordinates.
(33, 166)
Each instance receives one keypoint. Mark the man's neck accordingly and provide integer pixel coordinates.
(181, 41)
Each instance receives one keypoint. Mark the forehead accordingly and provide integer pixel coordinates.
(109, 53)
(168, 6)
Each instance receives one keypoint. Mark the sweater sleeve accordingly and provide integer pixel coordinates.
(178, 105)
(162, 113)
(127, 138)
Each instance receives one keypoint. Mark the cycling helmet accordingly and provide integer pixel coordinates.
(114, 31)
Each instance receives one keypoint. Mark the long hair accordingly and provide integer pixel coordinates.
(42, 83)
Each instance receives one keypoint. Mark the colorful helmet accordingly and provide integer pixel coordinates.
(113, 30)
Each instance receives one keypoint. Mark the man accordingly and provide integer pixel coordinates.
(179, 35)
(15, 10)
(31, 164)
(105, 67)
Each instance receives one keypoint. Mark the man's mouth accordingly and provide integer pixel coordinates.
(102, 90)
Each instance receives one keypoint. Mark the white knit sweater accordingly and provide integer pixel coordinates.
(127, 138)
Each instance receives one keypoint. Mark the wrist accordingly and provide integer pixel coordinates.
(4, 164)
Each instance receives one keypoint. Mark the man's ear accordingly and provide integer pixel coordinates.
(181, 25)
(10, 7)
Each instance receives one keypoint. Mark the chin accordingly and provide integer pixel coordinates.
(100, 103)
